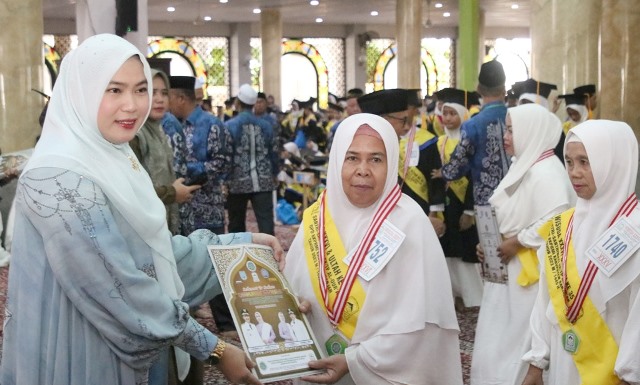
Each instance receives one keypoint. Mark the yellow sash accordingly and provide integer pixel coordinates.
(529, 273)
(566, 126)
(414, 179)
(597, 350)
(335, 268)
(458, 186)
(437, 126)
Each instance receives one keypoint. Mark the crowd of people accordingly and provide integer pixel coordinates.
(133, 177)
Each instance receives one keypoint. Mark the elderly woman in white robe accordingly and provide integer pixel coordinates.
(595, 341)
(392, 326)
(535, 188)
(95, 295)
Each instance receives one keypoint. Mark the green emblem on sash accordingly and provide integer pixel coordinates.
(570, 341)
(336, 345)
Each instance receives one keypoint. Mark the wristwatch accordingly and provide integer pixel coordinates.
(218, 351)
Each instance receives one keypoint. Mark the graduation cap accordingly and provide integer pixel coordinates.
(461, 97)
(332, 98)
(413, 97)
(384, 101)
(588, 89)
(182, 82)
(336, 107)
(307, 103)
(532, 86)
(573, 99)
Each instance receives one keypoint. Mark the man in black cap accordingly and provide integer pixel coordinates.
(208, 150)
(481, 147)
(415, 178)
(261, 110)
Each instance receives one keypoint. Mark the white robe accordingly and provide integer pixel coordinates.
(612, 150)
(531, 192)
(407, 331)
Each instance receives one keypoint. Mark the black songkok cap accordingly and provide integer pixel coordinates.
(491, 74)
(588, 89)
(183, 82)
(573, 99)
(384, 101)
(413, 97)
(532, 86)
(262, 95)
(354, 93)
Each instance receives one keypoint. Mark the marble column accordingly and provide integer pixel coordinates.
(619, 62)
(271, 40)
(355, 57)
(240, 55)
(21, 69)
(468, 45)
(564, 42)
(408, 36)
(99, 16)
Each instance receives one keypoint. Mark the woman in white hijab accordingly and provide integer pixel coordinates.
(535, 188)
(460, 240)
(94, 293)
(594, 338)
(393, 326)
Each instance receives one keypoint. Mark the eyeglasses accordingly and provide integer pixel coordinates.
(404, 120)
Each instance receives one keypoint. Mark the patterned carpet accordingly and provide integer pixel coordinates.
(467, 318)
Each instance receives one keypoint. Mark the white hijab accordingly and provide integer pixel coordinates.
(580, 109)
(612, 149)
(535, 130)
(462, 112)
(352, 222)
(71, 140)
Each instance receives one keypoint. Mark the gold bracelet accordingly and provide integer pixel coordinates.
(218, 351)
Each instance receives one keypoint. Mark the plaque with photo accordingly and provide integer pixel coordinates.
(273, 332)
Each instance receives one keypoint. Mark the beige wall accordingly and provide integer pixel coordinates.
(576, 42)
(21, 62)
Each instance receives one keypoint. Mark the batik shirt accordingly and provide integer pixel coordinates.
(208, 147)
(481, 151)
(255, 154)
(173, 129)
